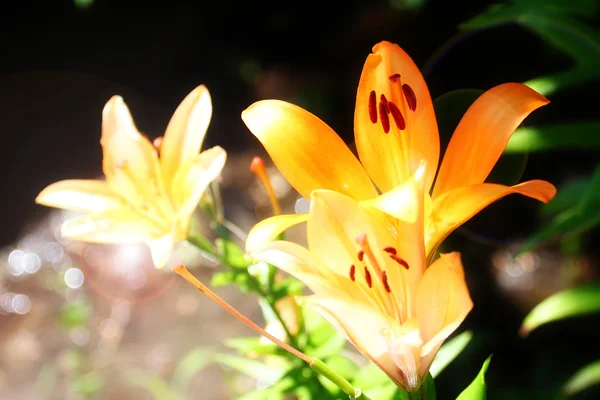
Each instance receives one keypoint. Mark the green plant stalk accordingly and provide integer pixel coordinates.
(354, 393)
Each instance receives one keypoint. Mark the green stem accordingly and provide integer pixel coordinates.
(322, 369)
(415, 395)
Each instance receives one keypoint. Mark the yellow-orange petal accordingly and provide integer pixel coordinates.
(80, 195)
(453, 208)
(268, 229)
(301, 264)
(363, 326)
(482, 134)
(111, 226)
(161, 249)
(190, 183)
(391, 150)
(308, 153)
(130, 162)
(185, 133)
(442, 303)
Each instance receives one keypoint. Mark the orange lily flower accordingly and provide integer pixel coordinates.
(144, 198)
(370, 280)
(395, 131)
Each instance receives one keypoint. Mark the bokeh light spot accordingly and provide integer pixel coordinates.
(74, 278)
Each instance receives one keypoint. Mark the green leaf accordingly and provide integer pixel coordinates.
(252, 345)
(565, 304)
(581, 135)
(190, 365)
(476, 390)
(371, 376)
(87, 384)
(231, 254)
(75, 314)
(286, 287)
(202, 243)
(332, 346)
(427, 389)
(586, 377)
(255, 369)
(583, 214)
(153, 383)
(449, 351)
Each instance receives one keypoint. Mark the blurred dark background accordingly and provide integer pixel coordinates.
(62, 60)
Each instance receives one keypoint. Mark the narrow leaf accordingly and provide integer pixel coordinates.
(449, 351)
(476, 390)
(565, 304)
(584, 378)
(582, 135)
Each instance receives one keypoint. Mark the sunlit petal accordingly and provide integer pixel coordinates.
(300, 263)
(161, 249)
(392, 140)
(130, 162)
(191, 183)
(455, 207)
(364, 327)
(80, 195)
(482, 134)
(184, 134)
(306, 151)
(442, 302)
(111, 226)
(268, 229)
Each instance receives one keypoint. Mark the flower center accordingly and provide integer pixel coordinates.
(380, 112)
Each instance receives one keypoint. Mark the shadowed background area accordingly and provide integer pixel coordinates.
(62, 60)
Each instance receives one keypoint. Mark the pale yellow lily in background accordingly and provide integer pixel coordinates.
(396, 131)
(145, 198)
(369, 278)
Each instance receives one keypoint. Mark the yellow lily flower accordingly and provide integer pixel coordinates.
(369, 278)
(395, 131)
(145, 198)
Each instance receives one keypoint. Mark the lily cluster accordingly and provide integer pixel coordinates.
(375, 221)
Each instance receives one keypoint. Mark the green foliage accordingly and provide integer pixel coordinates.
(75, 314)
(583, 379)
(559, 24)
(575, 210)
(449, 351)
(477, 389)
(566, 304)
(580, 135)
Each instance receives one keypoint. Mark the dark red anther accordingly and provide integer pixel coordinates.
(383, 115)
(384, 100)
(352, 272)
(385, 282)
(368, 277)
(397, 115)
(361, 255)
(390, 250)
(399, 260)
(373, 107)
(395, 78)
(410, 97)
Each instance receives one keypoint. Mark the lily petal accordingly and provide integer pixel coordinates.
(268, 229)
(80, 195)
(184, 134)
(161, 250)
(403, 201)
(457, 206)
(308, 153)
(395, 132)
(442, 303)
(482, 134)
(364, 327)
(130, 162)
(190, 184)
(302, 264)
(112, 226)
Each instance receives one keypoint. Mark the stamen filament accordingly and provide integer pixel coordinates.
(181, 270)
(259, 168)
